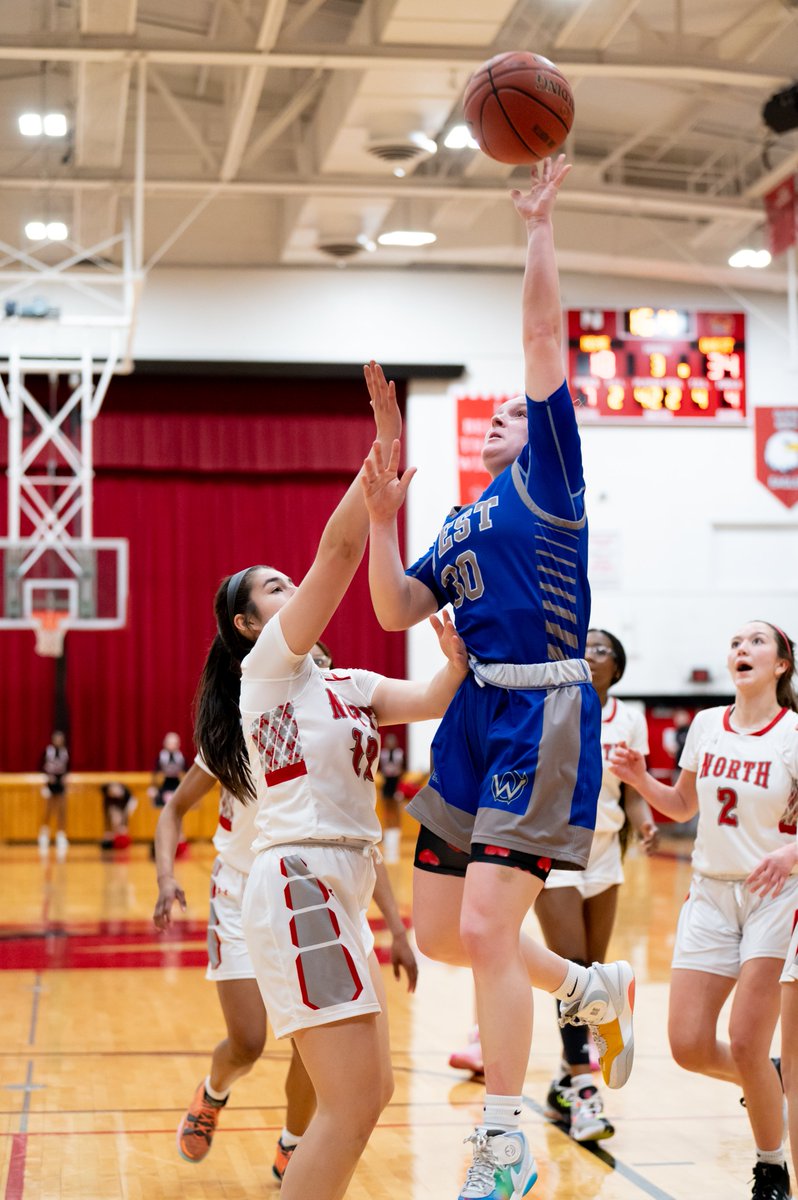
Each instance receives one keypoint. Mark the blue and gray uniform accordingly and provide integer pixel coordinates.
(517, 757)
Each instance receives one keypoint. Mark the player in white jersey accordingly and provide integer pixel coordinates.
(230, 967)
(576, 909)
(740, 773)
(305, 745)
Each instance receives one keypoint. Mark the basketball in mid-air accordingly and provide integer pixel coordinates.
(519, 107)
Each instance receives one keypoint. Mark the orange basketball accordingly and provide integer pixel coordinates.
(518, 107)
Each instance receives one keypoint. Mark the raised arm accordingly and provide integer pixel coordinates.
(679, 802)
(541, 310)
(399, 600)
(195, 784)
(343, 542)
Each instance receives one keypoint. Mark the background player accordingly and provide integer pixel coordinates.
(517, 758)
(576, 909)
(55, 765)
(740, 773)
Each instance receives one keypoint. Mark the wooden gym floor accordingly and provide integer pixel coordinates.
(108, 1028)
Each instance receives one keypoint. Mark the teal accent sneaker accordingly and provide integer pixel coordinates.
(503, 1167)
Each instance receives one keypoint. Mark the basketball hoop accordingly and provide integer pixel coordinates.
(50, 632)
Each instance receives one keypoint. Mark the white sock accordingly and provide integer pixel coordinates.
(214, 1095)
(289, 1139)
(502, 1113)
(776, 1157)
(574, 984)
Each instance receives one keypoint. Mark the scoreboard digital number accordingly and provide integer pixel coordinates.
(660, 364)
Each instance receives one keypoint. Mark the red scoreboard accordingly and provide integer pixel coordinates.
(657, 364)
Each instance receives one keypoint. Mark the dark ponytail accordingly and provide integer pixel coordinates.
(785, 688)
(217, 728)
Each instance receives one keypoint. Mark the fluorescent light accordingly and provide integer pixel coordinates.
(406, 237)
(36, 231)
(30, 125)
(57, 231)
(55, 124)
(750, 258)
(459, 138)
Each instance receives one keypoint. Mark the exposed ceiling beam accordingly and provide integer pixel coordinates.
(393, 57)
(629, 201)
(182, 117)
(251, 90)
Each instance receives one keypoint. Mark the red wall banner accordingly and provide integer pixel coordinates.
(473, 420)
(776, 449)
(781, 217)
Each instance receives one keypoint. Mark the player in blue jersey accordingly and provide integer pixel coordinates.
(517, 757)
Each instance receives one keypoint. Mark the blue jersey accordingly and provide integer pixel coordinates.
(514, 563)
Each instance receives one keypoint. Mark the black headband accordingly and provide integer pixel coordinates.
(232, 591)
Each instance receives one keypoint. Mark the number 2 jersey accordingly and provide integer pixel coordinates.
(747, 785)
(313, 745)
(514, 563)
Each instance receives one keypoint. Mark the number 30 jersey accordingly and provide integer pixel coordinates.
(514, 563)
(747, 786)
(313, 743)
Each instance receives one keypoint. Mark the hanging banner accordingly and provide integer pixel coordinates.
(777, 452)
(781, 217)
(473, 421)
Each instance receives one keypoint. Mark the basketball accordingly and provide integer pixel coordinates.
(518, 107)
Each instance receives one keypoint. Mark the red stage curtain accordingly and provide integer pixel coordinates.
(202, 478)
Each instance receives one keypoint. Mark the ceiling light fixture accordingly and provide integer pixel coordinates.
(52, 124)
(459, 138)
(406, 237)
(55, 124)
(53, 231)
(750, 258)
(30, 125)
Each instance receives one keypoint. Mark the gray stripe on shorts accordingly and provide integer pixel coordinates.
(305, 893)
(314, 927)
(328, 977)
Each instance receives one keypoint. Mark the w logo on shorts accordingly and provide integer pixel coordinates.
(506, 787)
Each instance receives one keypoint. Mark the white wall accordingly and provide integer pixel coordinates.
(691, 543)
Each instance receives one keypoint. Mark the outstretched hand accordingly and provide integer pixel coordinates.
(537, 204)
(383, 490)
(450, 642)
(382, 394)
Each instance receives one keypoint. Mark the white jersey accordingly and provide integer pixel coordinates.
(747, 786)
(313, 743)
(619, 723)
(236, 829)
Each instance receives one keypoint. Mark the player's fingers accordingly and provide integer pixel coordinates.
(393, 460)
(405, 481)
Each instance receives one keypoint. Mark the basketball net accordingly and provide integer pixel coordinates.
(49, 633)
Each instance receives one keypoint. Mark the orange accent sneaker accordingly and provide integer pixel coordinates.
(281, 1159)
(606, 1006)
(195, 1132)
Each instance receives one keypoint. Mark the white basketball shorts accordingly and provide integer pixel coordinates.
(604, 869)
(722, 925)
(790, 972)
(304, 918)
(228, 957)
